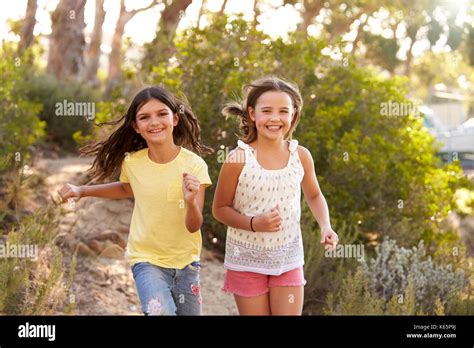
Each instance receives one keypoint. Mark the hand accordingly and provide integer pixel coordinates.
(268, 222)
(190, 188)
(69, 191)
(329, 238)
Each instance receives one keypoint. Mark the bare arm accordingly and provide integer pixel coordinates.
(114, 190)
(315, 198)
(222, 206)
(194, 194)
(194, 217)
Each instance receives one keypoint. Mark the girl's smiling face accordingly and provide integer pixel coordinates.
(155, 121)
(273, 114)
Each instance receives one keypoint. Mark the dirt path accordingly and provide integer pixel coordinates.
(97, 229)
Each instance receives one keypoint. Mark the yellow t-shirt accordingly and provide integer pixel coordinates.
(158, 233)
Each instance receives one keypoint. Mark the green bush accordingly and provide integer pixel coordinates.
(20, 127)
(393, 267)
(355, 297)
(39, 286)
(377, 171)
(49, 91)
(399, 281)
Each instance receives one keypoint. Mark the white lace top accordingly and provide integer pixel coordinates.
(258, 191)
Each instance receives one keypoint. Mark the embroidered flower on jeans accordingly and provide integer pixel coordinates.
(154, 306)
(195, 289)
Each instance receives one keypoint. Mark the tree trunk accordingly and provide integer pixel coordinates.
(311, 10)
(171, 16)
(412, 32)
(93, 52)
(26, 35)
(67, 42)
(221, 11)
(256, 13)
(345, 25)
(360, 28)
(162, 47)
(115, 65)
(201, 12)
(115, 56)
(409, 58)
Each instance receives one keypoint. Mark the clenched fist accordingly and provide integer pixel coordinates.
(190, 188)
(69, 191)
(329, 238)
(268, 222)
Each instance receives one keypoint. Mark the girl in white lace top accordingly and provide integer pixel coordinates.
(258, 196)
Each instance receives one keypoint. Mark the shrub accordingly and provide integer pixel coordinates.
(403, 281)
(357, 298)
(19, 126)
(393, 267)
(35, 287)
(48, 91)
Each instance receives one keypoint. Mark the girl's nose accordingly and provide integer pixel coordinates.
(155, 121)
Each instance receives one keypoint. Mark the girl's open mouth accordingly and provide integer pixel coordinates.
(273, 128)
(156, 131)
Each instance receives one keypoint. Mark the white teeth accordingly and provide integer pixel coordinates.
(273, 128)
(155, 131)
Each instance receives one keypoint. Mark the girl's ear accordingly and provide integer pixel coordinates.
(175, 120)
(251, 111)
(134, 126)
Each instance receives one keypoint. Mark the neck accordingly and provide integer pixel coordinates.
(265, 144)
(163, 153)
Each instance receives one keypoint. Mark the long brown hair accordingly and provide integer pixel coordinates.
(251, 93)
(111, 151)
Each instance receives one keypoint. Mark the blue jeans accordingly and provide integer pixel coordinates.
(168, 291)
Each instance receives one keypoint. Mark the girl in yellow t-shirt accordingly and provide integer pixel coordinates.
(155, 147)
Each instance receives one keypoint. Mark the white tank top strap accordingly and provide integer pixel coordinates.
(294, 156)
(243, 145)
(249, 156)
(293, 145)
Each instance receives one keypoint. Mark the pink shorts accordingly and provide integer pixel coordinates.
(250, 284)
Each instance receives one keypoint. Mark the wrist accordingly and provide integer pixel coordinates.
(252, 221)
(192, 202)
(82, 191)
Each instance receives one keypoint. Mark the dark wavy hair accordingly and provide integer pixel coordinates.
(251, 93)
(109, 153)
